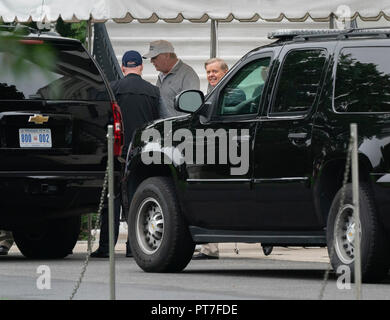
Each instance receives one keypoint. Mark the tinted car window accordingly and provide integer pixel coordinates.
(363, 80)
(299, 81)
(74, 76)
(242, 93)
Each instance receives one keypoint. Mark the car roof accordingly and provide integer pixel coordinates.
(329, 34)
(289, 36)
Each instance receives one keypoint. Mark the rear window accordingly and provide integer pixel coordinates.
(363, 80)
(73, 76)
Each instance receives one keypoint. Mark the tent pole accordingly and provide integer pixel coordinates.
(213, 43)
(89, 35)
(331, 21)
(214, 39)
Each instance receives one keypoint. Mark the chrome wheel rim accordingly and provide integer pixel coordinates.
(150, 225)
(344, 234)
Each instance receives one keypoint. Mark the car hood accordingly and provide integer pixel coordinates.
(180, 121)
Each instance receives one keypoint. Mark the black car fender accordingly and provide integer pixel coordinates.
(168, 161)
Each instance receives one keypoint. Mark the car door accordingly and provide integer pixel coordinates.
(282, 147)
(218, 190)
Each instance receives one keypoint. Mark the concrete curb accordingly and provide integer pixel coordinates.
(245, 250)
(226, 250)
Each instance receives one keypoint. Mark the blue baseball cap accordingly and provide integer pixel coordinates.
(131, 59)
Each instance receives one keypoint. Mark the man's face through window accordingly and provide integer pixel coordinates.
(214, 73)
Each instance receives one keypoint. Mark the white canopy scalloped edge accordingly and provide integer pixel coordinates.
(175, 11)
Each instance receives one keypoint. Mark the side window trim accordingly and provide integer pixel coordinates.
(299, 114)
(226, 118)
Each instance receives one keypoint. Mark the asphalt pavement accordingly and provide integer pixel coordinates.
(244, 276)
(247, 274)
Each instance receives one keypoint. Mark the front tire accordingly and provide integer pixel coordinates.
(341, 233)
(158, 234)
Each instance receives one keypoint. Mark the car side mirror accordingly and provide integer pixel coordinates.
(189, 101)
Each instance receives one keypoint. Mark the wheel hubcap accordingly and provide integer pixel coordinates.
(150, 225)
(344, 234)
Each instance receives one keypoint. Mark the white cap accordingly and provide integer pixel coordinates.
(157, 47)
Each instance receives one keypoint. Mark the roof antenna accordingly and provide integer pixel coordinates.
(41, 23)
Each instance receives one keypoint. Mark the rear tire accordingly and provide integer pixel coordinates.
(158, 234)
(340, 236)
(52, 239)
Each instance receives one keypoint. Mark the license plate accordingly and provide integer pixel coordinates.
(35, 138)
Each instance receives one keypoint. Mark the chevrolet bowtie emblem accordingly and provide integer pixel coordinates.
(38, 119)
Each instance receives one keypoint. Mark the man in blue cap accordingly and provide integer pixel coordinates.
(137, 98)
(139, 102)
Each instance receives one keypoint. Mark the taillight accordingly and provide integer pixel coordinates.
(31, 41)
(118, 129)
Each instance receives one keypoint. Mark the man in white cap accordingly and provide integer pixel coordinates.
(175, 76)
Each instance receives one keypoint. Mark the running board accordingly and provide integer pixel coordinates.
(283, 238)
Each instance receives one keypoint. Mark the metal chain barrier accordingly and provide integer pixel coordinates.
(101, 205)
(342, 199)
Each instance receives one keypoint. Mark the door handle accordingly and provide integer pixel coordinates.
(297, 135)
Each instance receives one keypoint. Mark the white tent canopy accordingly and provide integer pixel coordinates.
(195, 11)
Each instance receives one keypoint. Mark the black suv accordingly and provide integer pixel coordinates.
(262, 157)
(53, 149)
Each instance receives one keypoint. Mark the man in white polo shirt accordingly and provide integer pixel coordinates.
(175, 75)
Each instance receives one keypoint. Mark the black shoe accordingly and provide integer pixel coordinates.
(129, 254)
(100, 254)
(267, 250)
(3, 251)
(202, 256)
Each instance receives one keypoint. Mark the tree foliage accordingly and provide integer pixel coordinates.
(72, 30)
